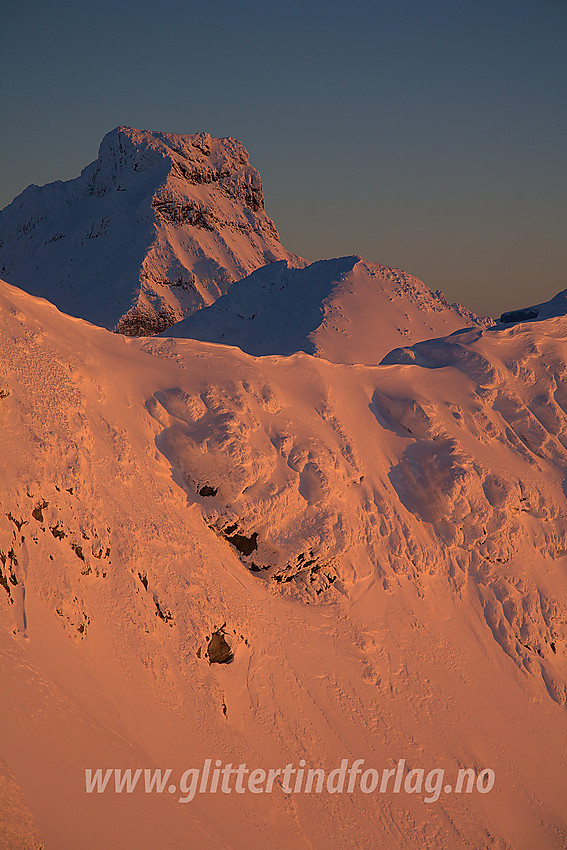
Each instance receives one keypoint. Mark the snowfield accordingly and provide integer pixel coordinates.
(383, 548)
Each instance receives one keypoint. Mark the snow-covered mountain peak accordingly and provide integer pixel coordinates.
(346, 310)
(157, 226)
(143, 145)
(193, 159)
(126, 149)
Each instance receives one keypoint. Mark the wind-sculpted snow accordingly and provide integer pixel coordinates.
(345, 310)
(157, 226)
(497, 493)
(276, 476)
(455, 351)
(475, 484)
(206, 554)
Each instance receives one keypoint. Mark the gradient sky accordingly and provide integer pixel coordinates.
(430, 136)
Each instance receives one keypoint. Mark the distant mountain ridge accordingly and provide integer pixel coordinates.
(157, 226)
(555, 307)
(346, 310)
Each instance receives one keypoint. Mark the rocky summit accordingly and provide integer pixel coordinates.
(158, 226)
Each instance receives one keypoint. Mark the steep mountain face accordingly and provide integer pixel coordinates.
(158, 226)
(346, 310)
(263, 560)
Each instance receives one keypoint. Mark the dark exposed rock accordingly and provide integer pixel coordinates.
(4, 583)
(163, 613)
(245, 545)
(9, 576)
(17, 522)
(78, 550)
(141, 321)
(218, 650)
(37, 512)
(519, 316)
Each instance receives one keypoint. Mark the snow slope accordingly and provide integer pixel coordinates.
(384, 548)
(345, 310)
(156, 227)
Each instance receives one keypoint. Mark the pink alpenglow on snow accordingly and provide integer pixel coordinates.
(287, 563)
(292, 576)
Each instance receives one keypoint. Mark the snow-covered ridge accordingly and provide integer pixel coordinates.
(556, 306)
(157, 226)
(346, 310)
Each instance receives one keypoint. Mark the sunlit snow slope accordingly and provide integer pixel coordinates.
(383, 547)
(346, 310)
(157, 226)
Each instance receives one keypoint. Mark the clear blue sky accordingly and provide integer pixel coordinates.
(425, 135)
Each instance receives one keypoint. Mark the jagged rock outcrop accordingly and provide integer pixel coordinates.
(158, 226)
